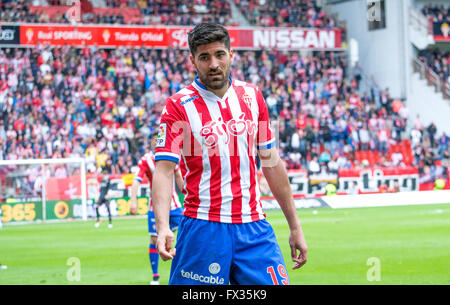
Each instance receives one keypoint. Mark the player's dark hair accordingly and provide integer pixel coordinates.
(205, 33)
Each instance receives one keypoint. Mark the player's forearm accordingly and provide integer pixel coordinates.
(278, 182)
(162, 187)
(134, 189)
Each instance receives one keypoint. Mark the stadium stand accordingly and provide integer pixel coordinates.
(173, 12)
(65, 101)
(299, 13)
(91, 101)
(436, 13)
(438, 62)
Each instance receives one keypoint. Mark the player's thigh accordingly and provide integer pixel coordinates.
(258, 259)
(203, 253)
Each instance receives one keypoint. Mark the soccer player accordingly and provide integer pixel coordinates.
(214, 128)
(105, 185)
(146, 167)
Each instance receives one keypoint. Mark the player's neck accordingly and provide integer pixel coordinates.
(220, 92)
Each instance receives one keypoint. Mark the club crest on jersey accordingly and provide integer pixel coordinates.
(247, 99)
(213, 130)
(162, 134)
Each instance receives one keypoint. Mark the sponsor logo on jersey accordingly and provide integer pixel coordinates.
(162, 134)
(212, 130)
(190, 99)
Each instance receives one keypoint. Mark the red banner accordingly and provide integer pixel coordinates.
(63, 188)
(163, 37)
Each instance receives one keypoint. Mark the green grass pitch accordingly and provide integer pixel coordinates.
(410, 244)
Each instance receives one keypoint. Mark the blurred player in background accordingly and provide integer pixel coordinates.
(214, 127)
(146, 167)
(105, 185)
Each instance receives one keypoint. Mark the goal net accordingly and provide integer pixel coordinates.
(43, 189)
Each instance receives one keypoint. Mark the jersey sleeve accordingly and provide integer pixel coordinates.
(265, 138)
(140, 172)
(170, 134)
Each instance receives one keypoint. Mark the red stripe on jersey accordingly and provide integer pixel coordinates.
(215, 167)
(192, 200)
(240, 91)
(236, 189)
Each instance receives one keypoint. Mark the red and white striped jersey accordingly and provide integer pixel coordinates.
(215, 140)
(146, 167)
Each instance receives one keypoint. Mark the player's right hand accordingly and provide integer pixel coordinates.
(133, 208)
(297, 242)
(164, 244)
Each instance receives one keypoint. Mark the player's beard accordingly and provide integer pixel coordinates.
(215, 82)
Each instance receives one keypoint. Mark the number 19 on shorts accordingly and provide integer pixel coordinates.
(281, 272)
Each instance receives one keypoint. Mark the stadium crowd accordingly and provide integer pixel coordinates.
(436, 12)
(103, 104)
(142, 12)
(298, 13)
(437, 61)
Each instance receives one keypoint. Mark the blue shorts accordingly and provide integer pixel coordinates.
(174, 220)
(214, 253)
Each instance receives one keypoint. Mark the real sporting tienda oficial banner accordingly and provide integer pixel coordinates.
(162, 37)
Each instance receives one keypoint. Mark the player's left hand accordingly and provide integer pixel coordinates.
(164, 244)
(297, 242)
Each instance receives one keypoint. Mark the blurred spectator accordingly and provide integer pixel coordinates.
(397, 159)
(353, 189)
(436, 12)
(395, 188)
(437, 61)
(313, 165)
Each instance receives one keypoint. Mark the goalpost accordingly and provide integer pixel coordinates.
(27, 181)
